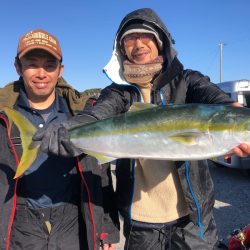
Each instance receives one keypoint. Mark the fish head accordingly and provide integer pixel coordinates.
(246, 125)
(243, 126)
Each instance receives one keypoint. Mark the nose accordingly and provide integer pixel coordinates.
(139, 43)
(41, 72)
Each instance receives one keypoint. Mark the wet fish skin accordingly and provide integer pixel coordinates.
(175, 132)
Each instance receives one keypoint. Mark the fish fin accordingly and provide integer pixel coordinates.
(137, 106)
(189, 138)
(100, 158)
(30, 148)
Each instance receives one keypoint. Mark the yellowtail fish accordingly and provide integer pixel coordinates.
(174, 132)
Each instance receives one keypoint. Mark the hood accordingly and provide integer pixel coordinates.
(114, 68)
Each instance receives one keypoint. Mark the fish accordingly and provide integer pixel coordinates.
(179, 132)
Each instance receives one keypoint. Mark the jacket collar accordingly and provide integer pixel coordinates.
(76, 100)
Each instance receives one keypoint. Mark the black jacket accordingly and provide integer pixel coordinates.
(172, 85)
(99, 213)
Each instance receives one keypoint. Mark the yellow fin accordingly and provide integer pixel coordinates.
(137, 106)
(30, 148)
(100, 158)
(189, 138)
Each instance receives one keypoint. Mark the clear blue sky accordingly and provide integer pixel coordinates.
(86, 29)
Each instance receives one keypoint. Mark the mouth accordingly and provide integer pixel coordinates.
(141, 53)
(41, 85)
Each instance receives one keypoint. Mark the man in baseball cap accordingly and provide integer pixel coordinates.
(42, 208)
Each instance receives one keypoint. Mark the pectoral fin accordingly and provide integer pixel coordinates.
(189, 138)
(100, 158)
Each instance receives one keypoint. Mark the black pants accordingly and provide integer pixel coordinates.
(182, 235)
(56, 228)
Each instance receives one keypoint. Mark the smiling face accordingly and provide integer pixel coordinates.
(140, 48)
(40, 72)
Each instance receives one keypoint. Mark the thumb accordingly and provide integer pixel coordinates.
(38, 136)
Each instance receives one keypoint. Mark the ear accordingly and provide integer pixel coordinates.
(18, 66)
(123, 51)
(61, 71)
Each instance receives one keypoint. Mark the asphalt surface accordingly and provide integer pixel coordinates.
(232, 194)
(232, 205)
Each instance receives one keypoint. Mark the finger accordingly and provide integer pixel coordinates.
(245, 148)
(229, 154)
(38, 135)
(53, 145)
(112, 247)
(70, 149)
(238, 151)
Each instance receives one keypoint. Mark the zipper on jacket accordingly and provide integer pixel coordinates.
(132, 162)
(89, 202)
(15, 188)
(195, 201)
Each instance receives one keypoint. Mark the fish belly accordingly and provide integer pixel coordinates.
(159, 145)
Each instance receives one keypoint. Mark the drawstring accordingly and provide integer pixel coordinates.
(163, 100)
(195, 201)
(166, 232)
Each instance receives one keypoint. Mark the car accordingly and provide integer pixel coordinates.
(239, 91)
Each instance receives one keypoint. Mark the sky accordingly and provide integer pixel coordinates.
(86, 31)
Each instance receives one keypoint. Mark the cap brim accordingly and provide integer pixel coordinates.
(25, 51)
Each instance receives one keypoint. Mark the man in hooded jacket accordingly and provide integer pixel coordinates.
(165, 204)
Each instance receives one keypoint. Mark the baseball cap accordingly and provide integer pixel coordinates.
(39, 39)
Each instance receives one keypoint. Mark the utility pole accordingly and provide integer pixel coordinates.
(221, 45)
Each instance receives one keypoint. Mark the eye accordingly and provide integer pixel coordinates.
(30, 65)
(129, 38)
(51, 65)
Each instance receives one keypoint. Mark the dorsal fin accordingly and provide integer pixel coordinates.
(137, 106)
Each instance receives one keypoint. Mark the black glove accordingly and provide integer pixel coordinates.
(55, 138)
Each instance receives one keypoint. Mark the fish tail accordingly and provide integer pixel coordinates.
(30, 148)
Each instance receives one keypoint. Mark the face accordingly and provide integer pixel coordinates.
(40, 72)
(140, 48)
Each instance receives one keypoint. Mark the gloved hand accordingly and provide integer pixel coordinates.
(55, 138)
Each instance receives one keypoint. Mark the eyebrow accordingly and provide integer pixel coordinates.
(35, 58)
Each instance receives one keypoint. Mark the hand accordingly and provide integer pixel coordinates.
(243, 150)
(55, 140)
(107, 246)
